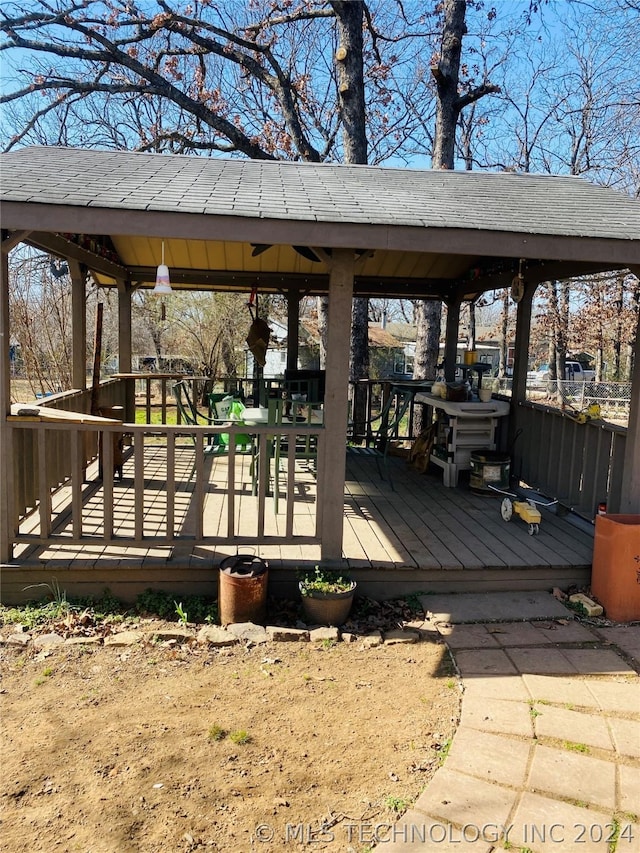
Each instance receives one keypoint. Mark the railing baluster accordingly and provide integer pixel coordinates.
(107, 484)
(171, 486)
(231, 487)
(43, 486)
(139, 484)
(76, 482)
(199, 490)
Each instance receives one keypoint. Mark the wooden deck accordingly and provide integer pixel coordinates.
(415, 537)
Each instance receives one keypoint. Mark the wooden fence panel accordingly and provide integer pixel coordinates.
(577, 463)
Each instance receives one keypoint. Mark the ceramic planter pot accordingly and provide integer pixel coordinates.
(327, 608)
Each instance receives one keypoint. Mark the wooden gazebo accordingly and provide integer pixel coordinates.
(299, 228)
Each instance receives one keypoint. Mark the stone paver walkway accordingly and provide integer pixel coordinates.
(546, 758)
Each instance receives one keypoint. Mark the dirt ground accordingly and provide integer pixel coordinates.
(111, 750)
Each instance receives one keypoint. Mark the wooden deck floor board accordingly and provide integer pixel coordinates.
(439, 511)
(420, 526)
(495, 541)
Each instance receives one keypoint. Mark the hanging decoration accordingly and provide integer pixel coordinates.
(517, 283)
(259, 332)
(163, 284)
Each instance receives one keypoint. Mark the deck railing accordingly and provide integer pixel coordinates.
(580, 464)
(167, 477)
(368, 400)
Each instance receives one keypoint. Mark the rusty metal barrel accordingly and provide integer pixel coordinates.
(242, 595)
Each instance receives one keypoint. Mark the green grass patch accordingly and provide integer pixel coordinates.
(240, 737)
(216, 732)
(576, 747)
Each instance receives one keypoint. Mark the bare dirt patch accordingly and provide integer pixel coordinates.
(111, 750)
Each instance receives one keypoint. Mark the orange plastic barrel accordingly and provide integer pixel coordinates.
(615, 576)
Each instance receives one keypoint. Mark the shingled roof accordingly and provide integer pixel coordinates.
(506, 201)
(230, 224)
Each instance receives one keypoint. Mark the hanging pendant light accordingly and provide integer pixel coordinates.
(163, 285)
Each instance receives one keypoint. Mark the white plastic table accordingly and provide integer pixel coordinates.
(471, 426)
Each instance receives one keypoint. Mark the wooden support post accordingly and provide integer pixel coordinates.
(78, 273)
(521, 353)
(336, 407)
(125, 291)
(97, 358)
(630, 489)
(293, 328)
(521, 357)
(451, 338)
(6, 457)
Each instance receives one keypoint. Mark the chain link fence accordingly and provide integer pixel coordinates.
(614, 398)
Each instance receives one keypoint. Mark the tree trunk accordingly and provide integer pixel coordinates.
(635, 308)
(322, 304)
(446, 73)
(562, 330)
(428, 316)
(617, 341)
(504, 336)
(350, 80)
(471, 337)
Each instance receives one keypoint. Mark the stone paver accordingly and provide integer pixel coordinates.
(47, 641)
(541, 661)
(629, 793)
(324, 634)
(626, 637)
(626, 736)
(398, 636)
(569, 691)
(512, 634)
(620, 696)
(416, 832)
(123, 638)
(287, 635)
(467, 637)
(573, 775)
(467, 801)
(499, 715)
(18, 639)
(545, 825)
(214, 635)
(484, 661)
(597, 662)
(499, 687)
(496, 606)
(590, 729)
(564, 632)
(491, 757)
(248, 632)
(540, 698)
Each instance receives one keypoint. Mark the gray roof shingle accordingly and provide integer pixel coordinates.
(510, 202)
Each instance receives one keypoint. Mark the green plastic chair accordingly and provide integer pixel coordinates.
(226, 407)
(286, 411)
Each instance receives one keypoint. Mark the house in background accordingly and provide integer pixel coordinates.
(385, 350)
(488, 351)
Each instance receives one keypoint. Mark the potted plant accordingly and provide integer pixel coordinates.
(327, 596)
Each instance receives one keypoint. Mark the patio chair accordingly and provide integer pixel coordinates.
(286, 411)
(396, 406)
(226, 407)
(191, 416)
